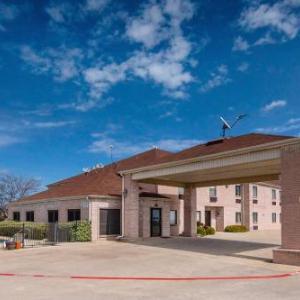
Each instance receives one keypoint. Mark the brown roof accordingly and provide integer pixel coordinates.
(223, 145)
(102, 181)
(107, 181)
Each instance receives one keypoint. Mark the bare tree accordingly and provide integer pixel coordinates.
(13, 188)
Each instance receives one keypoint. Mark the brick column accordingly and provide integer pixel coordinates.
(289, 253)
(190, 206)
(131, 207)
(246, 205)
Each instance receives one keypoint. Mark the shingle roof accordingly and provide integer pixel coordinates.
(223, 145)
(102, 181)
(107, 181)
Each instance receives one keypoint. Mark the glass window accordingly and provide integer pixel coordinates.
(238, 217)
(52, 216)
(30, 216)
(255, 217)
(273, 217)
(274, 194)
(180, 191)
(213, 192)
(254, 191)
(73, 215)
(238, 190)
(16, 216)
(173, 217)
(198, 216)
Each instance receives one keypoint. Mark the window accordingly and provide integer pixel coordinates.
(254, 191)
(238, 218)
(180, 191)
(255, 218)
(173, 217)
(238, 190)
(52, 216)
(30, 216)
(198, 216)
(213, 192)
(274, 194)
(273, 217)
(16, 216)
(274, 203)
(73, 215)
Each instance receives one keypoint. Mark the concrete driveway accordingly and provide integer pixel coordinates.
(220, 255)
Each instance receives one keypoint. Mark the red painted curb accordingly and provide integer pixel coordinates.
(198, 278)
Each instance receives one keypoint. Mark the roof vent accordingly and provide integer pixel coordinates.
(214, 142)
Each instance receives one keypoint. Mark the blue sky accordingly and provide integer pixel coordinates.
(77, 77)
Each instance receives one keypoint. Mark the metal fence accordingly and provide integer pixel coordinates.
(32, 235)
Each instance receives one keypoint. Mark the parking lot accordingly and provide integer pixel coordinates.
(222, 255)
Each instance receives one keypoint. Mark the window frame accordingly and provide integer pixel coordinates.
(213, 192)
(73, 212)
(30, 216)
(175, 214)
(18, 219)
(274, 194)
(53, 211)
(254, 194)
(255, 220)
(238, 213)
(238, 190)
(274, 218)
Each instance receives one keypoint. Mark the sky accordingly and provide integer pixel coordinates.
(77, 77)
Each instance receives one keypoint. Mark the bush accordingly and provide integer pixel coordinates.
(35, 231)
(236, 228)
(81, 231)
(209, 230)
(201, 231)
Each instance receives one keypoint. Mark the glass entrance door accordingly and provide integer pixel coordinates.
(155, 221)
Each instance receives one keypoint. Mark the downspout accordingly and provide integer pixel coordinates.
(123, 207)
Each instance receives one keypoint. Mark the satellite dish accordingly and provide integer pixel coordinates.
(225, 123)
(227, 126)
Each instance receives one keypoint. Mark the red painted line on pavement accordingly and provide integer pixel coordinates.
(133, 278)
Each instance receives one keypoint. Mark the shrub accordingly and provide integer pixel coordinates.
(81, 231)
(35, 231)
(201, 231)
(210, 230)
(236, 228)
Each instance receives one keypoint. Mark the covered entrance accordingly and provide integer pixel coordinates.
(110, 221)
(245, 159)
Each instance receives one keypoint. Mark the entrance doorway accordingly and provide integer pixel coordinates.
(110, 221)
(155, 219)
(208, 218)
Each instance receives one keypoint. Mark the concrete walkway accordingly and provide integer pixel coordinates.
(220, 255)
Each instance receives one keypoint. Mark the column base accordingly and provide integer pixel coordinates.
(286, 257)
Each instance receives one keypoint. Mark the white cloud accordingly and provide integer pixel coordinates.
(279, 17)
(148, 28)
(123, 148)
(218, 78)
(8, 140)
(8, 12)
(240, 44)
(51, 124)
(63, 63)
(274, 104)
(96, 5)
(243, 67)
(289, 126)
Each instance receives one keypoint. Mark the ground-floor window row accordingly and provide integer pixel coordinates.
(53, 215)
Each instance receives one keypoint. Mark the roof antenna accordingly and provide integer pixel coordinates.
(227, 126)
(111, 154)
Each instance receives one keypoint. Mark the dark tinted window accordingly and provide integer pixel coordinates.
(52, 216)
(30, 216)
(73, 215)
(16, 216)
